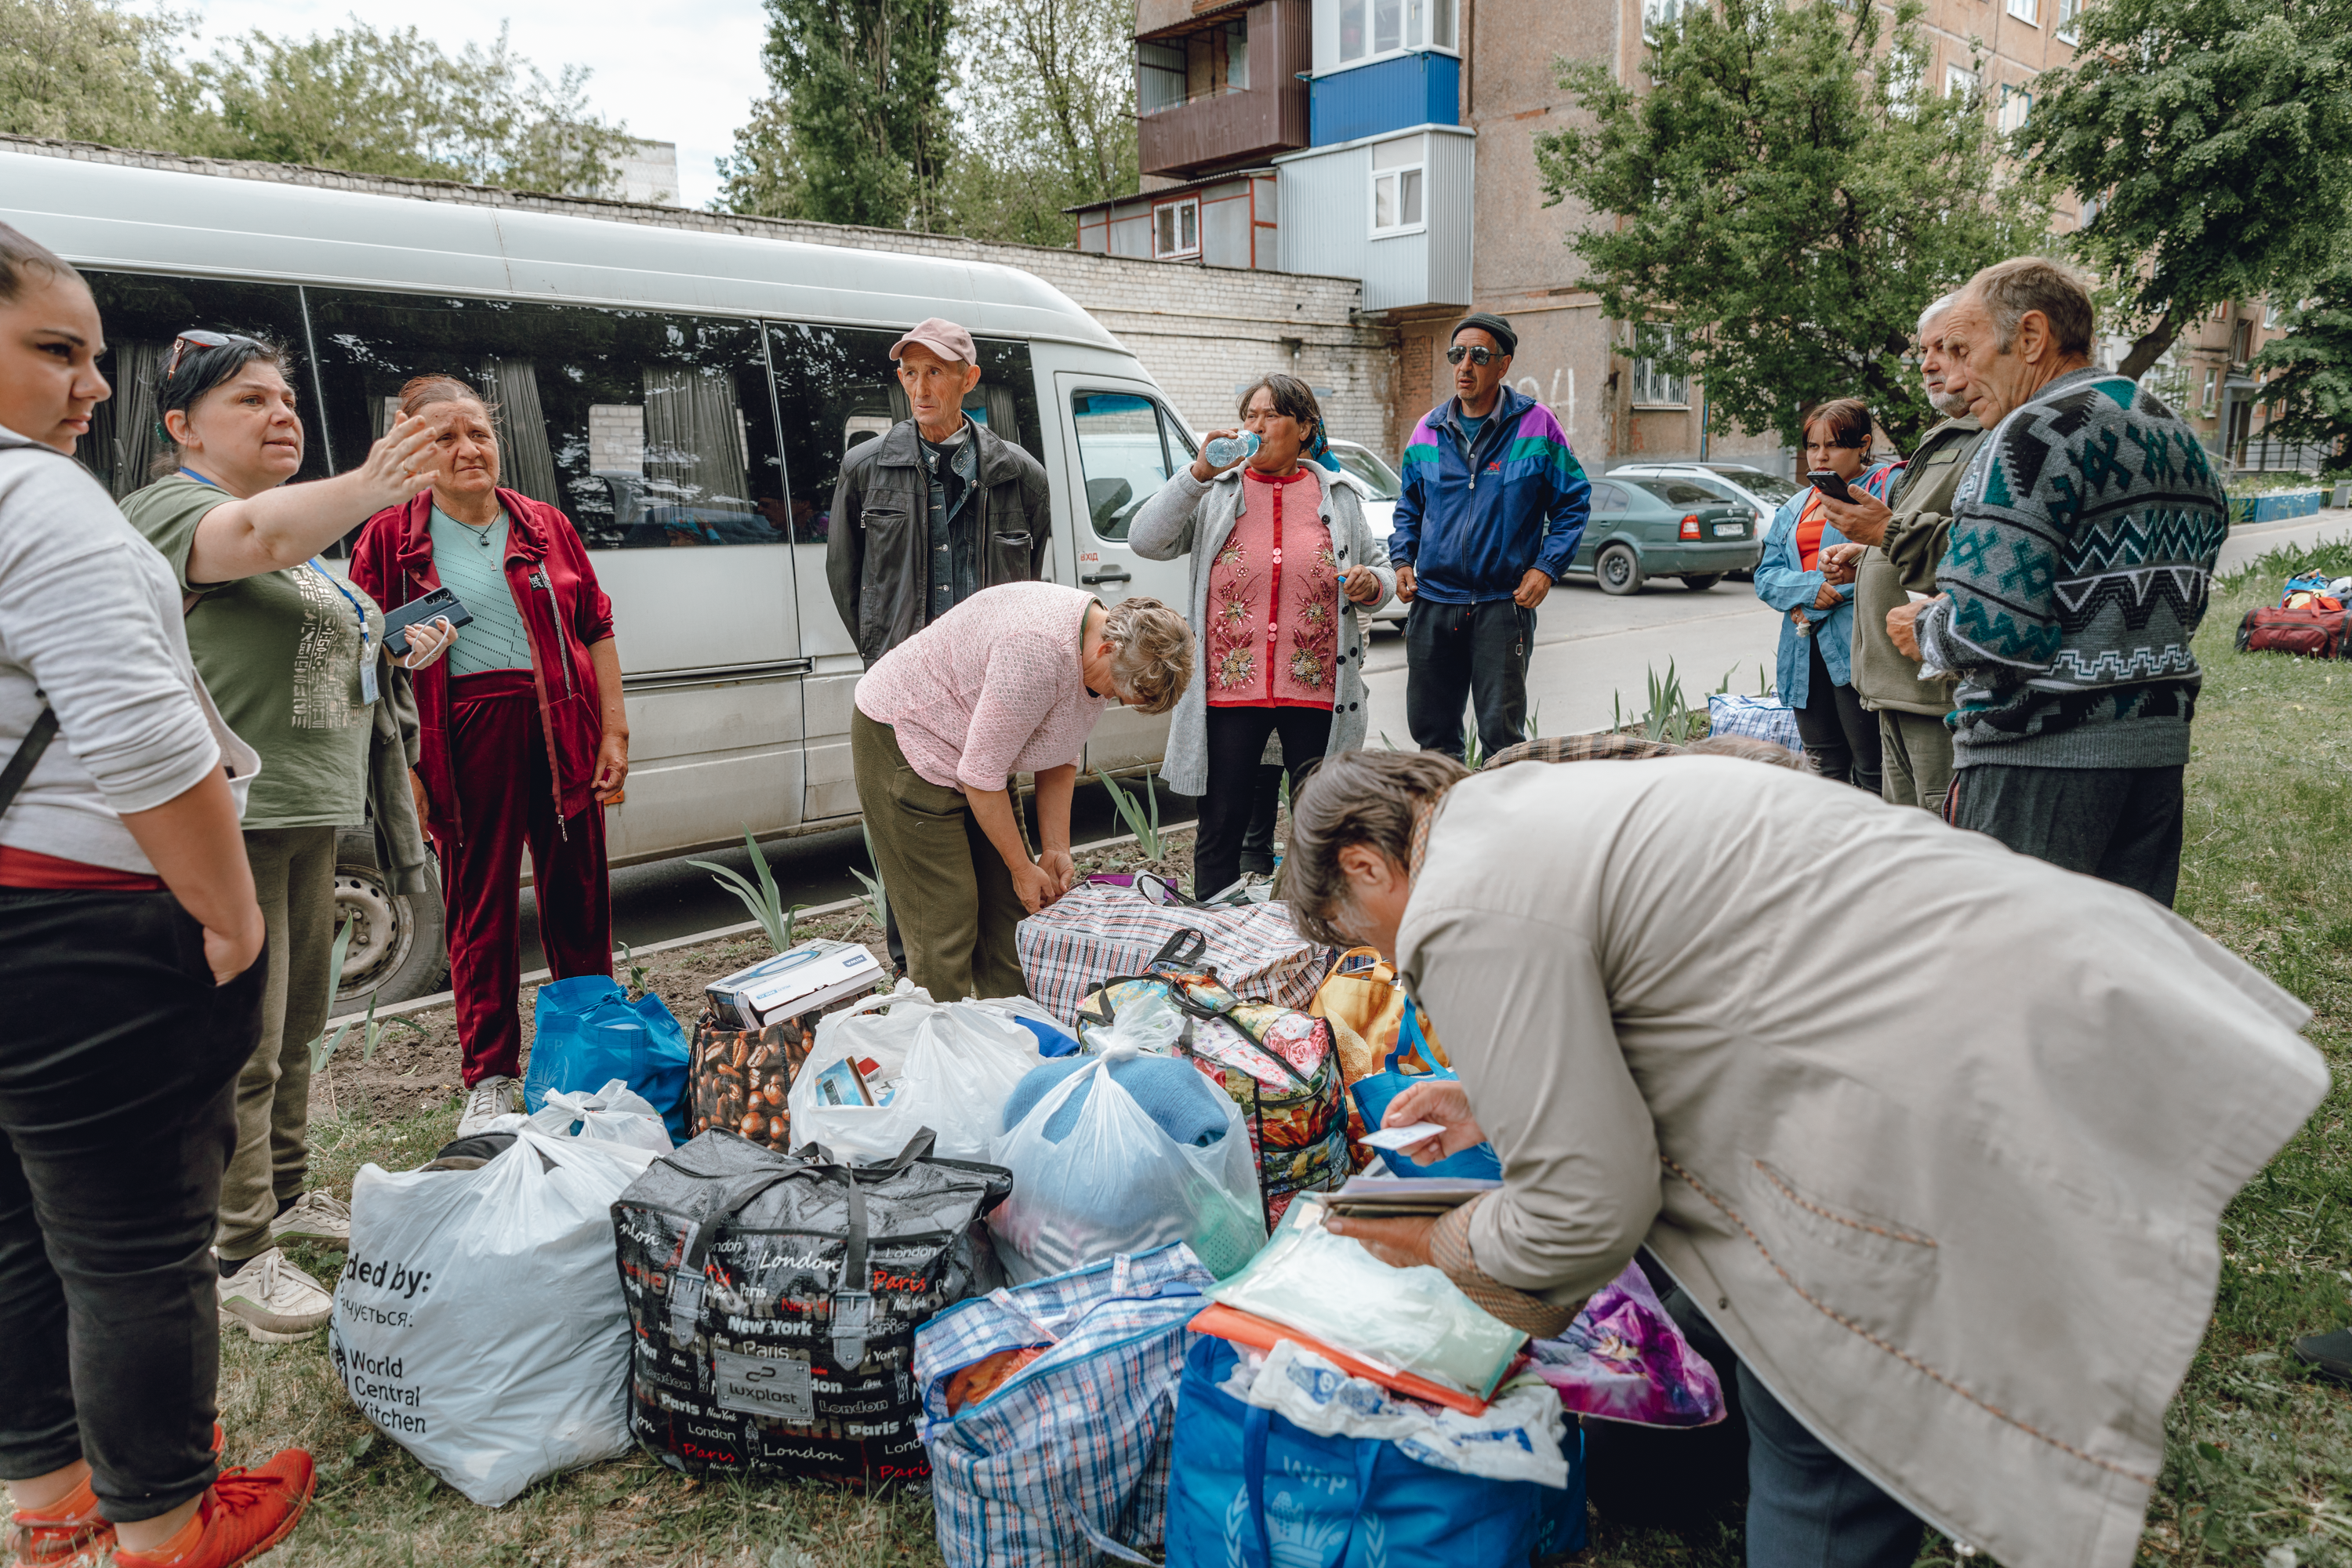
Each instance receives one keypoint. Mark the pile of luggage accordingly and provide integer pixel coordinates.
(1065, 1261)
(2309, 620)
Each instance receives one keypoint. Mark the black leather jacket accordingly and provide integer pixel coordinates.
(878, 549)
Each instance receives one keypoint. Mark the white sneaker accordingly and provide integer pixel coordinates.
(274, 1301)
(315, 1217)
(486, 1102)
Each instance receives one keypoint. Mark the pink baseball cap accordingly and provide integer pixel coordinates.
(943, 338)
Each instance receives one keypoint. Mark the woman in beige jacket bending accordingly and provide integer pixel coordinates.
(1936, 1135)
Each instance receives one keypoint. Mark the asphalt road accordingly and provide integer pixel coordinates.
(1592, 652)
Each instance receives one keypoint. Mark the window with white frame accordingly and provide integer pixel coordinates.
(1958, 82)
(1397, 168)
(1371, 29)
(1659, 15)
(1652, 387)
(2068, 11)
(2016, 104)
(2026, 11)
(2213, 391)
(1176, 230)
(2271, 309)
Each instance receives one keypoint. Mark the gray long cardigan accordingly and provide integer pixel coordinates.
(1187, 515)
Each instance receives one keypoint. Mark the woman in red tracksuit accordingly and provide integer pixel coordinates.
(524, 735)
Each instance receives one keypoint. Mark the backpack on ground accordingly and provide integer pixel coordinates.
(2310, 632)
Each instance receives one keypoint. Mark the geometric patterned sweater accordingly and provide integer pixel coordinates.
(2083, 536)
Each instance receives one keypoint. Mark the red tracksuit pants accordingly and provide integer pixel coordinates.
(506, 802)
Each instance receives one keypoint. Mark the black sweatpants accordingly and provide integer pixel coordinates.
(1236, 741)
(1473, 654)
(117, 1072)
(1840, 735)
(2119, 825)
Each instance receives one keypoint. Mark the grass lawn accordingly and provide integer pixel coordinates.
(2259, 1462)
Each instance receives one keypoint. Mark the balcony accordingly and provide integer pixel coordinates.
(1219, 90)
(1424, 88)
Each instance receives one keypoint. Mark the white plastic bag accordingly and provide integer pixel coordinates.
(1330, 1286)
(1116, 1184)
(613, 1114)
(1517, 1439)
(949, 1067)
(479, 1319)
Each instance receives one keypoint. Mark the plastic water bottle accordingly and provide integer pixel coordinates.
(1226, 450)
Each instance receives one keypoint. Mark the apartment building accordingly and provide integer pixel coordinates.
(1392, 142)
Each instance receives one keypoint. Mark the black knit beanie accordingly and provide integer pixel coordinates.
(1494, 327)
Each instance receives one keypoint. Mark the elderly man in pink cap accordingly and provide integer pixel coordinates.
(938, 508)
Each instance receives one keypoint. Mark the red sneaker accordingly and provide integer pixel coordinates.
(69, 1530)
(243, 1515)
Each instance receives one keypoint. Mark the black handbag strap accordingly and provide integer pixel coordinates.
(28, 756)
(1181, 952)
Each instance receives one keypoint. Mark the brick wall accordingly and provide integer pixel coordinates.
(1203, 332)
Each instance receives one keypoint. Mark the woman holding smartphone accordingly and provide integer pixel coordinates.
(1815, 674)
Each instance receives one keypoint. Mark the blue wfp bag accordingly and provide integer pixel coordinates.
(1374, 1090)
(1068, 1457)
(587, 1033)
(1251, 1489)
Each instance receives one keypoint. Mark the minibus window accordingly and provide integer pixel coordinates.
(650, 430)
(1127, 450)
(836, 389)
(143, 313)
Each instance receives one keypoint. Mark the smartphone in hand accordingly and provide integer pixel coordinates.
(1831, 483)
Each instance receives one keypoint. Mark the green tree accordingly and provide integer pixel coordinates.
(1788, 197)
(88, 70)
(1048, 121)
(396, 102)
(2309, 373)
(763, 178)
(2216, 137)
(861, 86)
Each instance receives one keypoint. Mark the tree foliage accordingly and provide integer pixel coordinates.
(2216, 137)
(368, 101)
(1048, 115)
(1790, 197)
(857, 127)
(2309, 371)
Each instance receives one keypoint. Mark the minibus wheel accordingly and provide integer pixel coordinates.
(398, 949)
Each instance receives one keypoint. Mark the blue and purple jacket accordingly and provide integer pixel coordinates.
(1471, 526)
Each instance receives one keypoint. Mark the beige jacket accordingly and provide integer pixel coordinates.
(1936, 1134)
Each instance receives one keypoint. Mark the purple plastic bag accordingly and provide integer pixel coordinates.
(1624, 1360)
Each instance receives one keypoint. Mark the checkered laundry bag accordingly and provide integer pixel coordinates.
(1068, 1456)
(1101, 931)
(1759, 717)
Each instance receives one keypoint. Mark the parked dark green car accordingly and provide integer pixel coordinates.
(1641, 528)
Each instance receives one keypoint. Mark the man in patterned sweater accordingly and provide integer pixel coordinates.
(2083, 536)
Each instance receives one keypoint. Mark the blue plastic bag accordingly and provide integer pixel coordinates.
(588, 1032)
(1249, 1488)
(1374, 1090)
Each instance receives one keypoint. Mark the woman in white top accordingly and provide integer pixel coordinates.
(128, 935)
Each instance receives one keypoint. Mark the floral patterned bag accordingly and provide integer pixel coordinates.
(1281, 1065)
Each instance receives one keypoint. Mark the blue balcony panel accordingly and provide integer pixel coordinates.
(1392, 94)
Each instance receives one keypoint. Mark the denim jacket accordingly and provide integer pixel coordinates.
(1783, 584)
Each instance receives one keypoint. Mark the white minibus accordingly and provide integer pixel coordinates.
(684, 396)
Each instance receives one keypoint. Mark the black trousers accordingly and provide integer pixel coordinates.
(1473, 654)
(2119, 825)
(1840, 735)
(1236, 741)
(118, 1071)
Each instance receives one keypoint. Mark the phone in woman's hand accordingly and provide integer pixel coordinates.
(1831, 483)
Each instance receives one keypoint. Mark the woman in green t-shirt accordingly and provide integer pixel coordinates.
(294, 657)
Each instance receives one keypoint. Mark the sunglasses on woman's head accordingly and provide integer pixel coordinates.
(1477, 356)
(204, 340)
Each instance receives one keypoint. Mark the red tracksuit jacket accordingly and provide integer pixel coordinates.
(563, 611)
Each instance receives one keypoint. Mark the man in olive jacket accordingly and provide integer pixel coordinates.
(1894, 553)
(938, 508)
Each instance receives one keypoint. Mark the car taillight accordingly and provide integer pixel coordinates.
(1690, 526)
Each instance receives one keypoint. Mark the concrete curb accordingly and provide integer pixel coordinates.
(539, 977)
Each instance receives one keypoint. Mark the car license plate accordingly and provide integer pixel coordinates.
(1730, 530)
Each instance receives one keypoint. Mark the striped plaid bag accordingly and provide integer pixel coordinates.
(1048, 1410)
(1096, 932)
(1758, 718)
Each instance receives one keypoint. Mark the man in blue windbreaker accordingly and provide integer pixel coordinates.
(1493, 506)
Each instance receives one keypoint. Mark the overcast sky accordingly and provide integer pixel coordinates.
(685, 76)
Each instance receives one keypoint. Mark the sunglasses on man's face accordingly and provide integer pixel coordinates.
(203, 339)
(1477, 356)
